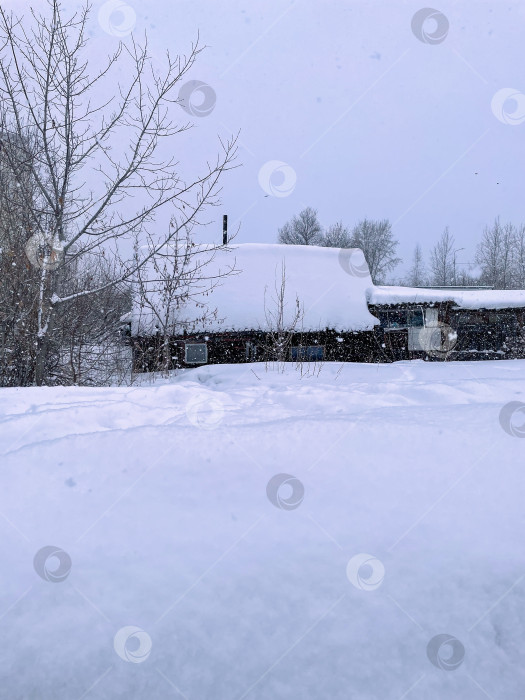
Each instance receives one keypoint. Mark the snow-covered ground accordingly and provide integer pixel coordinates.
(163, 501)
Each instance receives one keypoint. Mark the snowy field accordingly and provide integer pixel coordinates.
(166, 518)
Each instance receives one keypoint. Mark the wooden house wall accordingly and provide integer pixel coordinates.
(481, 334)
(232, 348)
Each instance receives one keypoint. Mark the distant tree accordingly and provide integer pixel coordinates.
(519, 258)
(465, 279)
(376, 241)
(337, 236)
(508, 254)
(496, 254)
(303, 229)
(442, 260)
(417, 274)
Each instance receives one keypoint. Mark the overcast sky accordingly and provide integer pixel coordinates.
(370, 119)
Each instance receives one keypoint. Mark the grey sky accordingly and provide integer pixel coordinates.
(373, 121)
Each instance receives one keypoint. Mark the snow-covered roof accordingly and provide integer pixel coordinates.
(461, 298)
(331, 288)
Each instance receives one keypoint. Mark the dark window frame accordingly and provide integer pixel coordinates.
(187, 346)
(305, 353)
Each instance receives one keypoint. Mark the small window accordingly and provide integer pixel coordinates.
(502, 319)
(415, 318)
(393, 319)
(196, 353)
(469, 318)
(308, 353)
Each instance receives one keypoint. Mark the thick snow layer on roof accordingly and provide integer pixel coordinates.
(331, 288)
(462, 298)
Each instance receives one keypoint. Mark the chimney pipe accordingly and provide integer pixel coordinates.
(225, 229)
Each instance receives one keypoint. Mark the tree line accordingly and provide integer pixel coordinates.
(499, 261)
(374, 238)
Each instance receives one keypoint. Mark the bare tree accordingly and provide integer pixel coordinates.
(376, 241)
(103, 170)
(172, 294)
(464, 278)
(337, 236)
(507, 255)
(519, 258)
(496, 254)
(85, 344)
(442, 260)
(303, 229)
(281, 324)
(417, 274)
(19, 288)
(88, 330)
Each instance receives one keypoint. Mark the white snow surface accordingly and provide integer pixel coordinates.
(329, 296)
(462, 298)
(158, 495)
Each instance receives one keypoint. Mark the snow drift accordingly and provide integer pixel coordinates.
(178, 570)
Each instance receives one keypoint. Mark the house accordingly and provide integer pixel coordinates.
(449, 323)
(309, 303)
(333, 323)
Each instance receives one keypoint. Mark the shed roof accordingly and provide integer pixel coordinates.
(331, 286)
(461, 298)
